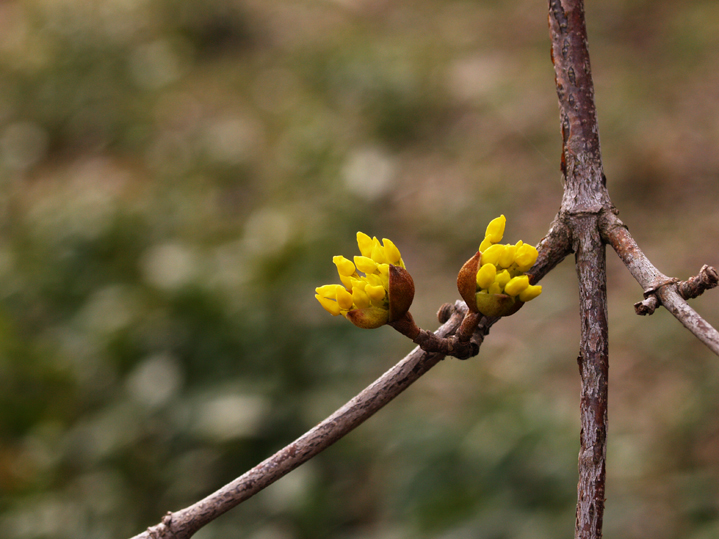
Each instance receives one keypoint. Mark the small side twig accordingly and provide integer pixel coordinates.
(186, 522)
(647, 306)
(658, 288)
(457, 345)
(693, 287)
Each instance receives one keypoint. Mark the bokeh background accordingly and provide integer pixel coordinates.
(175, 176)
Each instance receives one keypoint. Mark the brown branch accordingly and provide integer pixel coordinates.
(594, 370)
(184, 523)
(658, 288)
(458, 345)
(587, 209)
(552, 248)
(585, 198)
(706, 279)
(585, 187)
(472, 329)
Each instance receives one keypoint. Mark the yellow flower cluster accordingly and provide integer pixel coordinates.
(365, 299)
(501, 267)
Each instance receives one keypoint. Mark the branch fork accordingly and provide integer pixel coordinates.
(464, 344)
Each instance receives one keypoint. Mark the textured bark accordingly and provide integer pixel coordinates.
(585, 199)
(553, 248)
(591, 220)
(585, 187)
(594, 369)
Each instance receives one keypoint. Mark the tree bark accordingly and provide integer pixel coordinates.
(594, 370)
(585, 199)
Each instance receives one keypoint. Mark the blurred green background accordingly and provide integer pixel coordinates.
(175, 177)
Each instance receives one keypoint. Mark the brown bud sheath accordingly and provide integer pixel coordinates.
(406, 326)
(400, 295)
(368, 317)
(497, 305)
(467, 281)
(401, 292)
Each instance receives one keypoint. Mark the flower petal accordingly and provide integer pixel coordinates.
(495, 229)
(329, 305)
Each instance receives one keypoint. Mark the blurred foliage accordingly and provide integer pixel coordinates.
(175, 177)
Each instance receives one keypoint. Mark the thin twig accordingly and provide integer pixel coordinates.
(663, 289)
(706, 279)
(184, 523)
(690, 319)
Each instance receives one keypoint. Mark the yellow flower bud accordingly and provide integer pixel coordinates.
(360, 298)
(495, 229)
(375, 293)
(378, 254)
(492, 281)
(346, 281)
(329, 305)
(486, 275)
(364, 242)
(492, 255)
(507, 258)
(529, 293)
(374, 279)
(526, 257)
(368, 318)
(344, 267)
(516, 285)
(391, 252)
(383, 295)
(357, 283)
(496, 304)
(503, 277)
(344, 298)
(494, 289)
(328, 290)
(366, 265)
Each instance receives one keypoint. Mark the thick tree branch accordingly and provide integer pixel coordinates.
(658, 288)
(585, 187)
(594, 369)
(585, 198)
